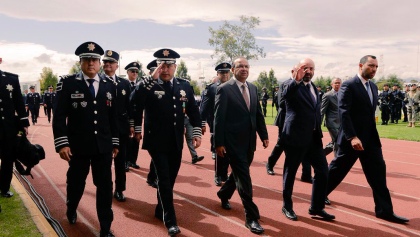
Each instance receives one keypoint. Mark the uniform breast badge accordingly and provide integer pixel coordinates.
(83, 104)
(75, 105)
(123, 92)
(183, 99)
(10, 88)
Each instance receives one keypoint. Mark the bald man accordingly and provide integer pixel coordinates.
(302, 136)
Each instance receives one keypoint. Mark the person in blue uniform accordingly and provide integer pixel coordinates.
(33, 100)
(207, 114)
(86, 133)
(397, 105)
(49, 99)
(122, 104)
(133, 145)
(11, 103)
(166, 99)
(387, 100)
(264, 99)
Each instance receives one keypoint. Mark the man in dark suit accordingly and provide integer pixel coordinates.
(359, 138)
(33, 100)
(86, 133)
(278, 148)
(122, 104)
(329, 109)
(48, 100)
(238, 118)
(301, 137)
(207, 114)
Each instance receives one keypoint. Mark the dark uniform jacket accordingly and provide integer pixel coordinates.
(11, 102)
(235, 126)
(357, 114)
(207, 105)
(49, 98)
(398, 97)
(80, 120)
(164, 114)
(122, 103)
(33, 100)
(265, 97)
(387, 98)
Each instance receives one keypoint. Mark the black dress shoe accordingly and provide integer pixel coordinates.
(152, 183)
(106, 234)
(173, 230)
(254, 226)
(322, 213)
(270, 171)
(71, 216)
(327, 201)
(218, 180)
(289, 214)
(306, 179)
(135, 166)
(393, 218)
(224, 178)
(127, 166)
(196, 159)
(7, 194)
(119, 196)
(226, 204)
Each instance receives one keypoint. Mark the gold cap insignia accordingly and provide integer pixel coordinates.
(165, 53)
(135, 64)
(225, 65)
(109, 53)
(91, 47)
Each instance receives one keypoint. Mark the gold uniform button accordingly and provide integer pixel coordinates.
(96, 112)
(175, 123)
(96, 132)
(95, 122)
(174, 97)
(174, 106)
(1, 109)
(94, 102)
(175, 115)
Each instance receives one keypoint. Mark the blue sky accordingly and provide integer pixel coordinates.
(335, 34)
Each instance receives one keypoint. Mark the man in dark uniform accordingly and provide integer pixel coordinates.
(404, 107)
(122, 104)
(49, 99)
(264, 98)
(133, 145)
(11, 103)
(33, 100)
(387, 99)
(397, 105)
(276, 98)
(86, 133)
(207, 114)
(42, 102)
(166, 99)
(321, 93)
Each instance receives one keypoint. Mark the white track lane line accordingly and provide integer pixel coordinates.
(335, 208)
(63, 197)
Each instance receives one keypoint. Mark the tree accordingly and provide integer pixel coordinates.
(390, 80)
(231, 41)
(141, 72)
(196, 89)
(182, 71)
(47, 78)
(268, 81)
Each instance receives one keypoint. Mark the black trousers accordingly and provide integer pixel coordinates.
(49, 110)
(102, 179)
(152, 172)
(264, 105)
(119, 164)
(385, 113)
(294, 156)
(404, 108)
(332, 146)
(240, 180)
(132, 150)
(34, 113)
(45, 110)
(276, 153)
(396, 112)
(7, 160)
(373, 166)
(167, 164)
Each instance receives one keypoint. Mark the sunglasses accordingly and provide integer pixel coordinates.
(134, 71)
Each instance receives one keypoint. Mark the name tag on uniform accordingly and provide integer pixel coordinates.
(77, 96)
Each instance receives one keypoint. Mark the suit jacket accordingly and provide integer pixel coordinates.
(302, 116)
(357, 114)
(235, 126)
(80, 120)
(329, 109)
(281, 113)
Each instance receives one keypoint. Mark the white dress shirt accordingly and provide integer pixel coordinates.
(363, 81)
(95, 83)
(239, 84)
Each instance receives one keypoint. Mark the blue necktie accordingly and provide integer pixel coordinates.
(369, 92)
(91, 88)
(310, 93)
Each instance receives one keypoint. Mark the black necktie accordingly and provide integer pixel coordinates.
(91, 88)
(310, 93)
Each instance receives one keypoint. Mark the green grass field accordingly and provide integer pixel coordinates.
(392, 131)
(15, 219)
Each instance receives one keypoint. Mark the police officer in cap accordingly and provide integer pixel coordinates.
(122, 104)
(86, 133)
(276, 98)
(11, 103)
(397, 105)
(207, 114)
(49, 99)
(387, 99)
(166, 99)
(133, 145)
(33, 100)
(264, 98)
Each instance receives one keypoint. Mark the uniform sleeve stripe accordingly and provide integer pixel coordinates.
(60, 144)
(58, 138)
(24, 118)
(203, 123)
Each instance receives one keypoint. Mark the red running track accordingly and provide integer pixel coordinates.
(198, 209)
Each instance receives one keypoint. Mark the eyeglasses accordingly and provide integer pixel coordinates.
(134, 71)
